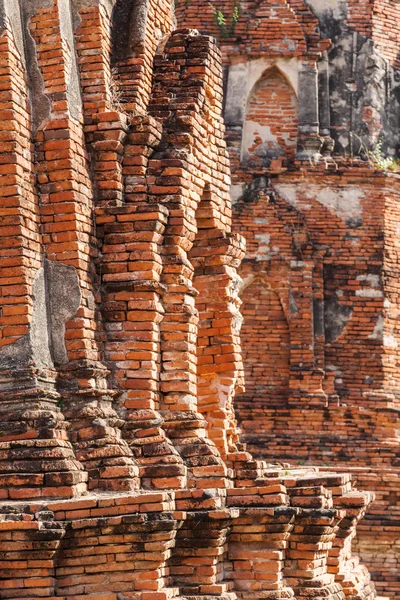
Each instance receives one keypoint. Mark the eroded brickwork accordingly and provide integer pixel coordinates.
(121, 472)
(310, 88)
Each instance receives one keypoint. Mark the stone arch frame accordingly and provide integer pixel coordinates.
(273, 70)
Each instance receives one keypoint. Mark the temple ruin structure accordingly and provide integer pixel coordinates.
(121, 472)
(312, 92)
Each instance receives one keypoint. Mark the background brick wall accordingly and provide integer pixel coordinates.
(325, 228)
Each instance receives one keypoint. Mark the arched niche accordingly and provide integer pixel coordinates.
(265, 340)
(270, 127)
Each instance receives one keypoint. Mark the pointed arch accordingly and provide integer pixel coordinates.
(265, 339)
(271, 120)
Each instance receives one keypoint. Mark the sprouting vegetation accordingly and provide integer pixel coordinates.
(227, 23)
(375, 155)
(384, 163)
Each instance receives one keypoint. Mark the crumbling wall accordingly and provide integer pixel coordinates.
(319, 216)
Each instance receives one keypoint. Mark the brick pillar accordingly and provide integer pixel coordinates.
(309, 143)
(36, 456)
(66, 198)
(177, 178)
(305, 378)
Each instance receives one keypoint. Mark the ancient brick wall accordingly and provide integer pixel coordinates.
(121, 472)
(380, 21)
(320, 217)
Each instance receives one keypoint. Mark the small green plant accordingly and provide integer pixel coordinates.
(227, 26)
(383, 163)
(375, 156)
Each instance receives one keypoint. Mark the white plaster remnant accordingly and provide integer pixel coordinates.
(264, 248)
(296, 264)
(343, 203)
(245, 283)
(377, 333)
(236, 192)
(369, 293)
(389, 341)
(373, 280)
(252, 132)
(236, 93)
(335, 8)
(344, 141)
(334, 368)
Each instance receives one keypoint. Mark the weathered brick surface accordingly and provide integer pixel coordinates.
(320, 300)
(121, 472)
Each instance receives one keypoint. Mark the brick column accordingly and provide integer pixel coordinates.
(305, 377)
(309, 143)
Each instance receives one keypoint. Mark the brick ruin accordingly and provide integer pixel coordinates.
(312, 92)
(121, 472)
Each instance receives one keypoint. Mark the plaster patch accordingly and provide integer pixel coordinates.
(373, 280)
(343, 203)
(41, 104)
(293, 308)
(56, 297)
(73, 85)
(236, 192)
(336, 318)
(236, 94)
(377, 334)
(34, 346)
(64, 298)
(264, 248)
(389, 341)
(251, 132)
(333, 9)
(369, 293)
